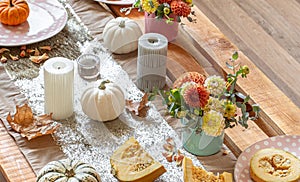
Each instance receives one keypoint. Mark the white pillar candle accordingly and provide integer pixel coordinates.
(59, 87)
(151, 61)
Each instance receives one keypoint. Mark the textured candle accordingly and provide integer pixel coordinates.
(151, 61)
(59, 87)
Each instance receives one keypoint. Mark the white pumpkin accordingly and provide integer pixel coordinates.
(104, 101)
(68, 171)
(120, 35)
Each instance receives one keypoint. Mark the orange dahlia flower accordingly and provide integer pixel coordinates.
(195, 95)
(189, 77)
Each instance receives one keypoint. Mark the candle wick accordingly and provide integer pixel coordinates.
(58, 67)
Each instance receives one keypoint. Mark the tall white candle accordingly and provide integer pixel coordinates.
(59, 87)
(151, 61)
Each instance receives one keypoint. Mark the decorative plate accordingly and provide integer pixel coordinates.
(46, 19)
(290, 143)
(117, 2)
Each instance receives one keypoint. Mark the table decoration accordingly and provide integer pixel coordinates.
(14, 12)
(120, 35)
(289, 143)
(206, 106)
(46, 19)
(104, 101)
(94, 142)
(88, 66)
(59, 87)
(68, 170)
(163, 16)
(151, 61)
(194, 173)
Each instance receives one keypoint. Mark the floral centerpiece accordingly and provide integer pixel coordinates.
(207, 106)
(169, 12)
(163, 9)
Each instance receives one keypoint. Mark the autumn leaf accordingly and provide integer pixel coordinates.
(138, 108)
(30, 126)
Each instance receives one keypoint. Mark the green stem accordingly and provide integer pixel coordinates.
(102, 84)
(122, 24)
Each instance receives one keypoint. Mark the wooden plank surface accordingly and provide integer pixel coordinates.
(13, 166)
(267, 31)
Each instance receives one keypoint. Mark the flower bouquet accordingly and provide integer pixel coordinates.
(207, 106)
(171, 10)
(163, 16)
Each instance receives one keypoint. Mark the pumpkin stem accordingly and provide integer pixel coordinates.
(70, 173)
(122, 24)
(10, 3)
(102, 85)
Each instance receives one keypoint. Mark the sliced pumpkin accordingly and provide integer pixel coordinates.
(271, 164)
(130, 162)
(193, 173)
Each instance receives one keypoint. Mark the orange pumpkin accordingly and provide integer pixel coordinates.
(13, 12)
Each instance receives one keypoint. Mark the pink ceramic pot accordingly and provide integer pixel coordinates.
(153, 25)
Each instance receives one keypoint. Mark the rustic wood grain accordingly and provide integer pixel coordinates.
(267, 32)
(14, 166)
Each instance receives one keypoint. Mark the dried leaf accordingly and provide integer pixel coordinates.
(30, 50)
(170, 141)
(168, 147)
(39, 59)
(2, 50)
(3, 59)
(36, 52)
(48, 48)
(22, 53)
(168, 156)
(138, 108)
(178, 158)
(30, 126)
(14, 58)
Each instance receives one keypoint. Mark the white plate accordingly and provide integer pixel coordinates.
(117, 2)
(290, 143)
(46, 19)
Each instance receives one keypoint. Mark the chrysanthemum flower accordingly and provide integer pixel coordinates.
(213, 123)
(215, 104)
(230, 109)
(180, 8)
(215, 85)
(150, 6)
(189, 77)
(195, 95)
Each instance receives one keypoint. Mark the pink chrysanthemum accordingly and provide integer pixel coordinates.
(195, 95)
(189, 77)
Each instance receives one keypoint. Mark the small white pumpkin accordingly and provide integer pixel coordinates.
(120, 35)
(104, 101)
(68, 170)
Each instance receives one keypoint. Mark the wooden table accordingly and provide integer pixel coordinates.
(210, 49)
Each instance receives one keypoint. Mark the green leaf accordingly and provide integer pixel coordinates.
(247, 99)
(235, 55)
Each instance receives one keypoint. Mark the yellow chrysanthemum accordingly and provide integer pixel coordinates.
(213, 123)
(150, 6)
(214, 104)
(230, 110)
